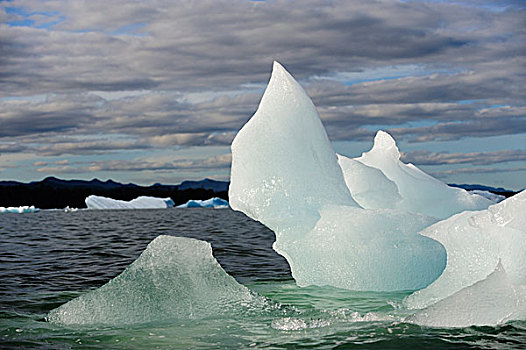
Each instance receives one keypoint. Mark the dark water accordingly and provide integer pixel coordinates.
(50, 257)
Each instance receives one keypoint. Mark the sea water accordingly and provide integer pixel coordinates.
(50, 257)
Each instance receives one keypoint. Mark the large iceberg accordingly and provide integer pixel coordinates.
(402, 186)
(215, 202)
(19, 210)
(174, 278)
(142, 202)
(286, 175)
(475, 241)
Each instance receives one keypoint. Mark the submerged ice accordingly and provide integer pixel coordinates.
(142, 202)
(174, 278)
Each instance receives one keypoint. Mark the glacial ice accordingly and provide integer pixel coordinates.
(419, 192)
(491, 301)
(19, 210)
(495, 198)
(475, 241)
(286, 175)
(369, 186)
(142, 202)
(174, 278)
(215, 202)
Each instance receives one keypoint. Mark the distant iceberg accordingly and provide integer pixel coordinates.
(174, 278)
(496, 198)
(22, 209)
(214, 202)
(143, 202)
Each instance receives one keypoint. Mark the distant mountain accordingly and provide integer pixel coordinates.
(207, 184)
(95, 183)
(496, 190)
(52, 192)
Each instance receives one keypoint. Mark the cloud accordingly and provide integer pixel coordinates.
(475, 158)
(476, 170)
(97, 77)
(216, 162)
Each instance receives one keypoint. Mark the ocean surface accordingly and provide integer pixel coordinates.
(50, 257)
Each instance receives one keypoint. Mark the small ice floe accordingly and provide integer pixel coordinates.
(21, 209)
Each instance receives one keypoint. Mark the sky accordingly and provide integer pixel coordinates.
(154, 91)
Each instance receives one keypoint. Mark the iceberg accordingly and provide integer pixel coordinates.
(215, 202)
(19, 210)
(418, 192)
(142, 202)
(495, 198)
(369, 186)
(475, 242)
(286, 175)
(491, 301)
(174, 278)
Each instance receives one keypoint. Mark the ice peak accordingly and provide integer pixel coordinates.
(281, 76)
(386, 143)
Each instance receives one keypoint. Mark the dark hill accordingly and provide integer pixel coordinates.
(57, 193)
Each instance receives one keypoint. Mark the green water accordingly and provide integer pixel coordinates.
(312, 317)
(48, 258)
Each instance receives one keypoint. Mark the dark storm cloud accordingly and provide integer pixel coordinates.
(469, 58)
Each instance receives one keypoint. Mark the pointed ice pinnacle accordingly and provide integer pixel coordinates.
(283, 165)
(286, 175)
(420, 192)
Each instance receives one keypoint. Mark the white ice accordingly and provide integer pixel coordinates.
(174, 278)
(495, 198)
(143, 202)
(475, 241)
(491, 301)
(286, 175)
(369, 186)
(214, 202)
(19, 210)
(418, 192)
